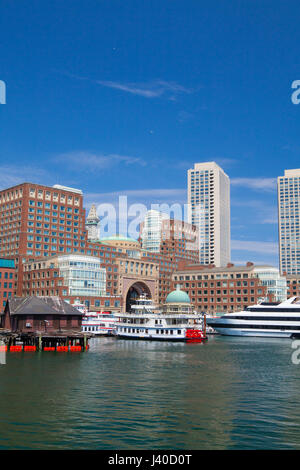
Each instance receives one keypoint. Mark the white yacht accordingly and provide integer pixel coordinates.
(264, 319)
(99, 323)
(177, 321)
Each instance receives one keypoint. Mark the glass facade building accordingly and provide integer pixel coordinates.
(276, 285)
(83, 275)
(151, 233)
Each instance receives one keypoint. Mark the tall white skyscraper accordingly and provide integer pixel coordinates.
(288, 221)
(209, 210)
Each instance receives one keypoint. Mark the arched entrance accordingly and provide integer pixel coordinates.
(137, 289)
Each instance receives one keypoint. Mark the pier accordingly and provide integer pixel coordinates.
(30, 342)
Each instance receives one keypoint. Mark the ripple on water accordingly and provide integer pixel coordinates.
(230, 393)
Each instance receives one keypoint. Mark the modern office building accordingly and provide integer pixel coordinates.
(209, 211)
(151, 230)
(161, 234)
(83, 275)
(276, 284)
(289, 221)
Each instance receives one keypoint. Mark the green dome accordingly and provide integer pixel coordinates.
(178, 296)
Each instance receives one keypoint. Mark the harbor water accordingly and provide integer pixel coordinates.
(227, 393)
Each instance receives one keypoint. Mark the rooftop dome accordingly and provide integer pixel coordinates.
(178, 296)
(120, 238)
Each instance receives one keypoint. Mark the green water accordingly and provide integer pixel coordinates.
(229, 393)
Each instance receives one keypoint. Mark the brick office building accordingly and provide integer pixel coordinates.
(126, 272)
(38, 221)
(133, 273)
(225, 289)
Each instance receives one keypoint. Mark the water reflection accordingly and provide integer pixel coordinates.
(123, 394)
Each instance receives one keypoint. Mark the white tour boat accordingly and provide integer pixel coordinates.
(264, 319)
(176, 322)
(99, 323)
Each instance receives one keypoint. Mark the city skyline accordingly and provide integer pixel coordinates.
(130, 108)
(174, 211)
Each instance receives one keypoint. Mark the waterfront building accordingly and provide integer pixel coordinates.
(83, 275)
(71, 277)
(91, 224)
(39, 221)
(40, 314)
(276, 284)
(107, 281)
(136, 274)
(289, 221)
(227, 289)
(209, 211)
(39, 224)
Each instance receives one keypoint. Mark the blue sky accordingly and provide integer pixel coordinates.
(113, 96)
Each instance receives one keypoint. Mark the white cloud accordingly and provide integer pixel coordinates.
(255, 246)
(11, 175)
(264, 184)
(97, 161)
(141, 195)
(222, 162)
(153, 89)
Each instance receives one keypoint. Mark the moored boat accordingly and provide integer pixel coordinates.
(99, 323)
(280, 320)
(176, 322)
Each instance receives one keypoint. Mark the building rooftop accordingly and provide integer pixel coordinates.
(295, 172)
(223, 269)
(118, 238)
(41, 306)
(66, 188)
